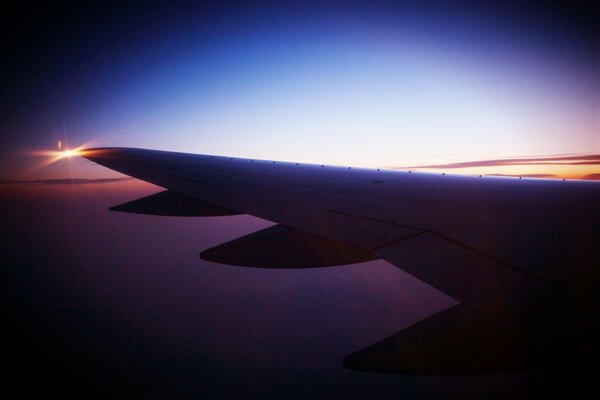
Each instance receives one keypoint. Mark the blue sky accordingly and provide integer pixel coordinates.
(371, 85)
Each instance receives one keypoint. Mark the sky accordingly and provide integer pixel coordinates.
(376, 84)
(98, 302)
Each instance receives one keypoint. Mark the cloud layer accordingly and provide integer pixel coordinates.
(65, 181)
(585, 159)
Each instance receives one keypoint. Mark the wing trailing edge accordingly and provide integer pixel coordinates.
(454, 341)
(173, 204)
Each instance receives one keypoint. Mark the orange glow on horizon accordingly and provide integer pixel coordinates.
(566, 171)
(574, 166)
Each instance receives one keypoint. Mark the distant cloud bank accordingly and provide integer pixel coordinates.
(63, 181)
(586, 159)
(571, 166)
(528, 175)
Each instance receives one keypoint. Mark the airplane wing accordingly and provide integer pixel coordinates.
(520, 255)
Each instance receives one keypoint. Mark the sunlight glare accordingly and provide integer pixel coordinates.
(52, 156)
(69, 153)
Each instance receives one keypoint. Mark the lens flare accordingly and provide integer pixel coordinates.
(52, 156)
(69, 153)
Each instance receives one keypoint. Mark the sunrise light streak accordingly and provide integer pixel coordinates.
(50, 157)
(572, 166)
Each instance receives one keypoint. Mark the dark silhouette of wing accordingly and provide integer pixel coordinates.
(172, 204)
(520, 255)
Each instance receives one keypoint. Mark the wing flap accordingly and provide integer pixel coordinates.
(546, 256)
(454, 341)
(170, 203)
(283, 247)
(510, 298)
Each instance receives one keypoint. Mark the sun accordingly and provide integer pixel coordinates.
(68, 153)
(53, 156)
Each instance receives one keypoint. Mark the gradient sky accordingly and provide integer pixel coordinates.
(91, 297)
(383, 84)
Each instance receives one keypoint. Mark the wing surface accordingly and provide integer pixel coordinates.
(516, 253)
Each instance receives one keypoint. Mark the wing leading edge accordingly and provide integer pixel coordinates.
(519, 255)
